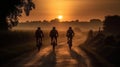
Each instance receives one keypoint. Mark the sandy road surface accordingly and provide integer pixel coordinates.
(61, 57)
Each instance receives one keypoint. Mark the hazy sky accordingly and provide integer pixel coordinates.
(84, 10)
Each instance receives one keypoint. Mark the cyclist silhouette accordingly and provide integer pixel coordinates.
(70, 34)
(54, 35)
(39, 35)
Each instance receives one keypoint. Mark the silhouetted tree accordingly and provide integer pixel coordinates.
(95, 21)
(77, 20)
(112, 24)
(56, 20)
(45, 21)
(10, 10)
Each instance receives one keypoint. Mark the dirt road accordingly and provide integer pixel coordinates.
(61, 57)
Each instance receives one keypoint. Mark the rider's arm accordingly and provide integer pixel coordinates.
(57, 33)
(73, 33)
(42, 34)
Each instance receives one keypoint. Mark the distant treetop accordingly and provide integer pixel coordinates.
(112, 24)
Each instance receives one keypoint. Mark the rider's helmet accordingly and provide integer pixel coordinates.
(70, 27)
(53, 28)
(38, 28)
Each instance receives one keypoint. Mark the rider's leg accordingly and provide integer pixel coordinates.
(40, 43)
(41, 40)
(71, 39)
(68, 39)
(56, 39)
(69, 42)
(51, 39)
(37, 41)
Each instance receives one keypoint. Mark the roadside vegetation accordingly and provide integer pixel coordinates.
(107, 46)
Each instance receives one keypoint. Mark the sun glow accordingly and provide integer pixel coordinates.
(60, 17)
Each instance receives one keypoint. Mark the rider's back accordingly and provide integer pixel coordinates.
(39, 33)
(53, 33)
(70, 33)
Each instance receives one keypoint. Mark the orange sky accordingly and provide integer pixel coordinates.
(84, 10)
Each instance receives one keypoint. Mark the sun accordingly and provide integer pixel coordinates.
(60, 17)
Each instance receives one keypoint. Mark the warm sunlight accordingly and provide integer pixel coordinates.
(60, 17)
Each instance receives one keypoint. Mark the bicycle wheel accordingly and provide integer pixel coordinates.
(54, 44)
(39, 46)
(70, 44)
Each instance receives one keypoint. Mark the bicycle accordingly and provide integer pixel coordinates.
(69, 43)
(54, 43)
(39, 44)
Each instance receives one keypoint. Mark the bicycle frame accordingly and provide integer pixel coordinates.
(70, 43)
(39, 43)
(54, 44)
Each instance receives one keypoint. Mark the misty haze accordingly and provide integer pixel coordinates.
(59, 33)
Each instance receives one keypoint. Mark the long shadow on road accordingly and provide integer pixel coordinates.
(49, 60)
(78, 58)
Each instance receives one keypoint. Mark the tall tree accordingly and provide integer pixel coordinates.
(112, 24)
(10, 10)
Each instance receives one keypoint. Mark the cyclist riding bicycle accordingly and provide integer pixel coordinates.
(69, 35)
(39, 35)
(53, 35)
